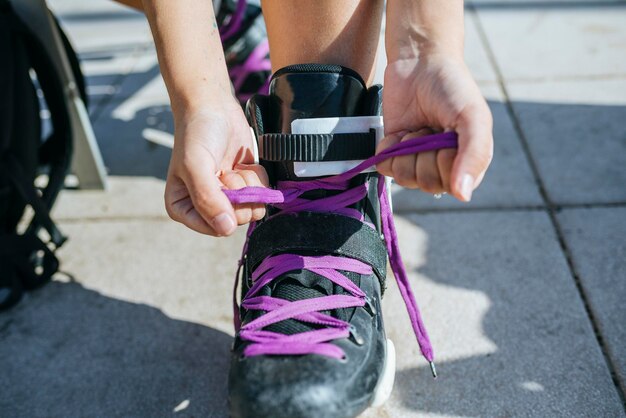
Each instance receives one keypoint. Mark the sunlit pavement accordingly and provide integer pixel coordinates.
(522, 290)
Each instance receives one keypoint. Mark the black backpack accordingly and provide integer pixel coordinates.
(28, 238)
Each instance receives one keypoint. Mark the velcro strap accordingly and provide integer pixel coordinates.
(318, 233)
(317, 147)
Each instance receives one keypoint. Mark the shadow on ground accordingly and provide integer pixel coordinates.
(544, 359)
(70, 351)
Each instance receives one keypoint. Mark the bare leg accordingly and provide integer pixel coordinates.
(344, 32)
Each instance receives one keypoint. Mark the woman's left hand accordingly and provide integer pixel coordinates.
(436, 93)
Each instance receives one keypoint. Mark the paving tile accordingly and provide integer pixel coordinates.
(475, 53)
(160, 263)
(126, 197)
(143, 327)
(508, 183)
(513, 5)
(561, 40)
(510, 333)
(576, 136)
(122, 129)
(595, 238)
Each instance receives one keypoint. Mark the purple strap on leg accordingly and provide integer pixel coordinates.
(287, 198)
(234, 24)
(257, 60)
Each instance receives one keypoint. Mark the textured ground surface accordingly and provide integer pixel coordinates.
(523, 289)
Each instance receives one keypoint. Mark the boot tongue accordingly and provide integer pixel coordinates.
(310, 91)
(298, 286)
(316, 91)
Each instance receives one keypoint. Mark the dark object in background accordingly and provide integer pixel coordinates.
(27, 261)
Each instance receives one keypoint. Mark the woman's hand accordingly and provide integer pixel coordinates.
(436, 93)
(212, 150)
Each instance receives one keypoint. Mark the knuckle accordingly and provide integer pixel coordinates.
(243, 215)
(234, 180)
(250, 178)
(203, 201)
(171, 212)
(384, 168)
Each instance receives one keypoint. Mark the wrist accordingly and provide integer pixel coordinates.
(416, 29)
(415, 44)
(211, 101)
(427, 59)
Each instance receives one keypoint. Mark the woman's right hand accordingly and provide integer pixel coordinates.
(213, 149)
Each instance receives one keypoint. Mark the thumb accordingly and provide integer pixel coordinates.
(474, 129)
(206, 194)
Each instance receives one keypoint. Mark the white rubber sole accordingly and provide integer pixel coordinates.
(385, 384)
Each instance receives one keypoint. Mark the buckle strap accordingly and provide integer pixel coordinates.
(317, 147)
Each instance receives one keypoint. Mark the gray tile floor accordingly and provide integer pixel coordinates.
(523, 289)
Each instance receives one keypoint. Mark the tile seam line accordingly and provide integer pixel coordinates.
(568, 78)
(551, 210)
(512, 208)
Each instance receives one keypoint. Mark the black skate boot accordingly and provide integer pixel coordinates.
(310, 338)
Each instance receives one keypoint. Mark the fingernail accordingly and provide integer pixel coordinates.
(224, 224)
(467, 186)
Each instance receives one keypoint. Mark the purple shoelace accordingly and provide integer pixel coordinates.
(257, 61)
(286, 197)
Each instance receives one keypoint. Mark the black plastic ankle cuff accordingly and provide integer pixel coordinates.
(317, 147)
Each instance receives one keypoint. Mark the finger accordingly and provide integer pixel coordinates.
(180, 208)
(233, 180)
(251, 178)
(445, 161)
(474, 128)
(192, 219)
(258, 170)
(384, 167)
(403, 168)
(427, 172)
(207, 196)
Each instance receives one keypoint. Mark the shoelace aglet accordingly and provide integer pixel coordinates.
(433, 369)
